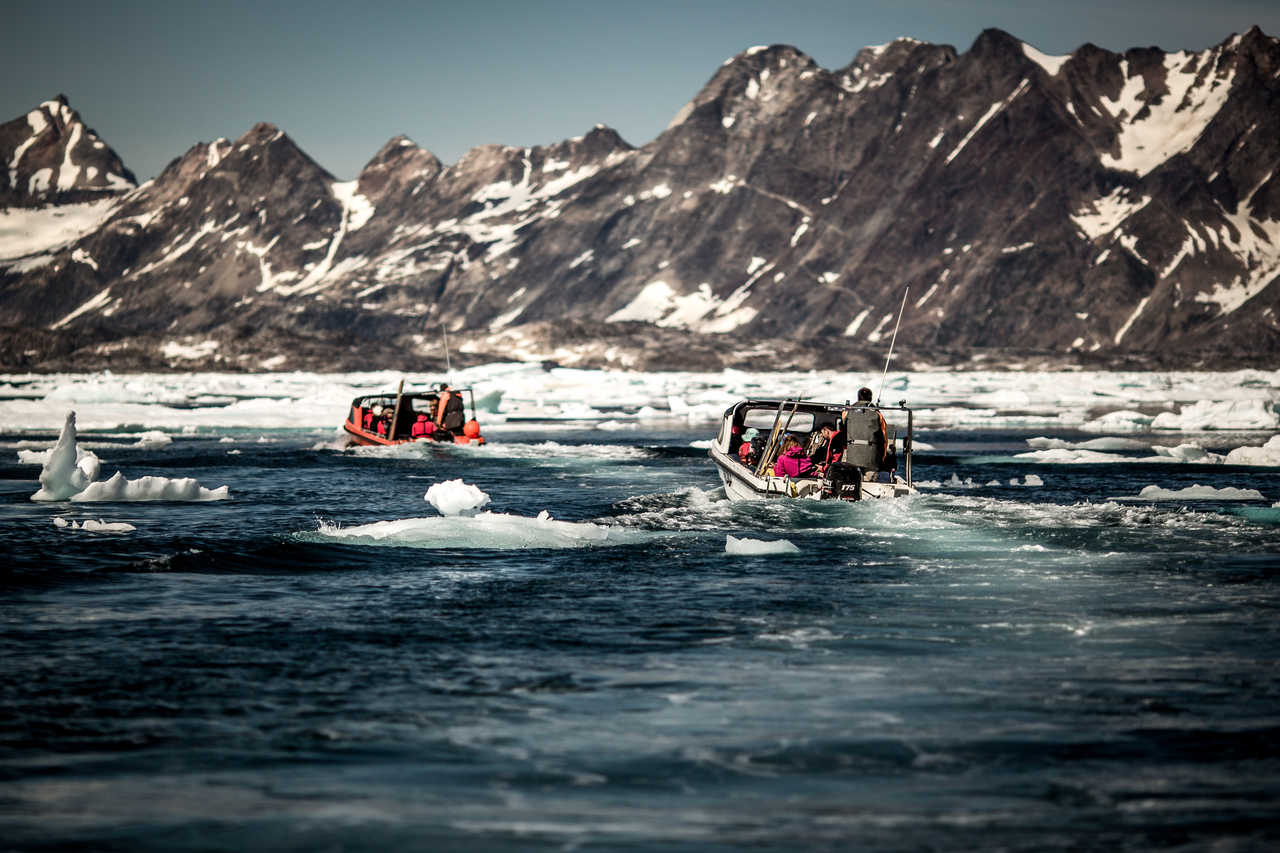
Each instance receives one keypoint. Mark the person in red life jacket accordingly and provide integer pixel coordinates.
(791, 461)
(423, 427)
(450, 413)
(829, 448)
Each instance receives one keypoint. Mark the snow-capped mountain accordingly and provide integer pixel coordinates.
(1102, 207)
(50, 155)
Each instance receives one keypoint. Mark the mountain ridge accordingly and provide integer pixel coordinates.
(1090, 208)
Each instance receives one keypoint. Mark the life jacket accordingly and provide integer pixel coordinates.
(454, 413)
(867, 436)
(829, 452)
(422, 427)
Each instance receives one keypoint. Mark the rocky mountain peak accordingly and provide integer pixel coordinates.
(51, 155)
(398, 164)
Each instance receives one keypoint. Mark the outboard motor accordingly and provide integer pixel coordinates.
(843, 481)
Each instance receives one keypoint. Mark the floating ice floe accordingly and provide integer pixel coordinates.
(1219, 415)
(752, 547)
(454, 497)
(461, 525)
(1268, 454)
(1189, 453)
(491, 530)
(968, 483)
(1194, 493)
(973, 399)
(92, 526)
(72, 474)
(953, 483)
(1105, 443)
(152, 439)
(1121, 421)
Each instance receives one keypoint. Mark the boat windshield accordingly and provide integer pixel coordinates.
(762, 420)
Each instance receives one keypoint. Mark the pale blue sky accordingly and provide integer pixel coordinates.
(154, 77)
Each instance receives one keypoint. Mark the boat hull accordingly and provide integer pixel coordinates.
(742, 484)
(368, 439)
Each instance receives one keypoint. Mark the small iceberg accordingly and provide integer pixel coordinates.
(745, 547)
(70, 474)
(92, 526)
(1195, 493)
(1266, 455)
(454, 497)
(461, 524)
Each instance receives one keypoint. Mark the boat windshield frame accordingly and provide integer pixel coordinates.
(782, 409)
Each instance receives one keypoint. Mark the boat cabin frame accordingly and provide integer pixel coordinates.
(874, 463)
(402, 410)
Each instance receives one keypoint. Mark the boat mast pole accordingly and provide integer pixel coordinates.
(448, 366)
(395, 416)
(891, 342)
(776, 435)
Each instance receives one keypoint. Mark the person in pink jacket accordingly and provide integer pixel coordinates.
(792, 462)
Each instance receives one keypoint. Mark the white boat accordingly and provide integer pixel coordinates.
(872, 465)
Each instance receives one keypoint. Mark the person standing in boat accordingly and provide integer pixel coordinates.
(450, 413)
(882, 435)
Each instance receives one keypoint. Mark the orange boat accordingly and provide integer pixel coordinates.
(391, 419)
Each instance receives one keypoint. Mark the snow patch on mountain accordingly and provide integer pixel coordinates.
(99, 301)
(702, 310)
(1104, 215)
(1257, 243)
(1173, 122)
(34, 231)
(991, 113)
(1051, 64)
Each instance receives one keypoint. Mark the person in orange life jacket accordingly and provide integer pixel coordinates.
(423, 427)
(450, 413)
(882, 437)
(791, 461)
(829, 448)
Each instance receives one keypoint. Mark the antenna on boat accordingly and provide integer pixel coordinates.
(448, 366)
(891, 342)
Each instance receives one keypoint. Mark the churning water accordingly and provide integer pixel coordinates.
(1023, 657)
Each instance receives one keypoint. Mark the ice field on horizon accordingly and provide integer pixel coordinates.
(510, 392)
(1143, 416)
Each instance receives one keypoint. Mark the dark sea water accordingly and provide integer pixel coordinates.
(994, 667)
